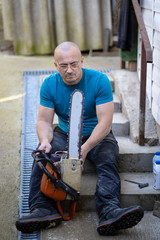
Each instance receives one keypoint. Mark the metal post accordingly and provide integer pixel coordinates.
(122, 64)
(142, 103)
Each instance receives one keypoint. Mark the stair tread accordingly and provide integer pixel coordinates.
(127, 146)
(88, 184)
(116, 98)
(119, 118)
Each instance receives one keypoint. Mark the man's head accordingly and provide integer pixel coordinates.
(68, 61)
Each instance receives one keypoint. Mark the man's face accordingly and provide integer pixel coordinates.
(69, 65)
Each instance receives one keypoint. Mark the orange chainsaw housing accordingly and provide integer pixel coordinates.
(57, 194)
(48, 188)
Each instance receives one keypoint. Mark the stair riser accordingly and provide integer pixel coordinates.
(117, 107)
(128, 163)
(87, 203)
(136, 162)
(146, 201)
(120, 129)
(112, 85)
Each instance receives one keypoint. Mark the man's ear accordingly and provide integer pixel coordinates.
(82, 59)
(55, 64)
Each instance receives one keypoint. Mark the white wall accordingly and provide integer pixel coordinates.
(151, 17)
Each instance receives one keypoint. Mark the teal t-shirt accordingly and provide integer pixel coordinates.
(56, 94)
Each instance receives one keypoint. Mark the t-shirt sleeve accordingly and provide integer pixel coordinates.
(46, 96)
(104, 90)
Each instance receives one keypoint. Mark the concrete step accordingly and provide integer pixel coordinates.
(112, 80)
(132, 157)
(84, 224)
(117, 104)
(112, 84)
(131, 194)
(127, 88)
(120, 125)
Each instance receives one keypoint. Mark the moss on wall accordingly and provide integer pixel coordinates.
(23, 48)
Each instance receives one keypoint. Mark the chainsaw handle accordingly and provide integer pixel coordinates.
(40, 155)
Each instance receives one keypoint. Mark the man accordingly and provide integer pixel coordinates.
(98, 142)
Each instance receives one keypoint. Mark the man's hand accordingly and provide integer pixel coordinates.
(84, 152)
(45, 146)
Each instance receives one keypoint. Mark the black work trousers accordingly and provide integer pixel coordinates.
(104, 156)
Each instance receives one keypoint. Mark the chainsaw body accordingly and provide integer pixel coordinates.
(71, 171)
(53, 185)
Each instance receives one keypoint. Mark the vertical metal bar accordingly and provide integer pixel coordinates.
(142, 103)
(122, 64)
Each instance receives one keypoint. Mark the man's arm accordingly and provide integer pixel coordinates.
(44, 127)
(102, 129)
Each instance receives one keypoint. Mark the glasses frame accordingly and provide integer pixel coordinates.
(64, 66)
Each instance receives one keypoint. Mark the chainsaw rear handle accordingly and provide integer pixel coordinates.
(40, 155)
(58, 183)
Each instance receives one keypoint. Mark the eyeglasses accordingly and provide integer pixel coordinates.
(72, 65)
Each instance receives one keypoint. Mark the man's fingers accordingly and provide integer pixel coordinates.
(46, 148)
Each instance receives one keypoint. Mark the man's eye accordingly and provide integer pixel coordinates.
(63, 66)
(74, 64)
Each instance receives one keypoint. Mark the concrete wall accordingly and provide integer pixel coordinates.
(36, 27)
(151, 17)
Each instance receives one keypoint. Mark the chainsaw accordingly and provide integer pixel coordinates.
(62, 170)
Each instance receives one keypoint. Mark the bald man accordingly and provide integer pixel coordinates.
(98, 143)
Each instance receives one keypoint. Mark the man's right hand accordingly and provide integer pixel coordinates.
(45, 146)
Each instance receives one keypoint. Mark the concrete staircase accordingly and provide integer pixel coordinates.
(134, 163)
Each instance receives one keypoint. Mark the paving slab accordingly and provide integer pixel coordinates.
(83, 227)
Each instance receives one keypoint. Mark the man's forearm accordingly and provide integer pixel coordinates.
(97, 136)
(44, 131)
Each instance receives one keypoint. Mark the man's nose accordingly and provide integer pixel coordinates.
(69, 69)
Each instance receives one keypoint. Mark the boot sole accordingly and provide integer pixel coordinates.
(126, 220)
(29, 226)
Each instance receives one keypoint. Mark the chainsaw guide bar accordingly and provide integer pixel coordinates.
(75, 125)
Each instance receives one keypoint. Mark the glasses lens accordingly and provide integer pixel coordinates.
(73, 65)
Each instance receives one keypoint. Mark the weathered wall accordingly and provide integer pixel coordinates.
(36, 27)
(151, 16)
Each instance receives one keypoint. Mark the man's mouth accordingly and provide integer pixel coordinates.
(70, 75)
